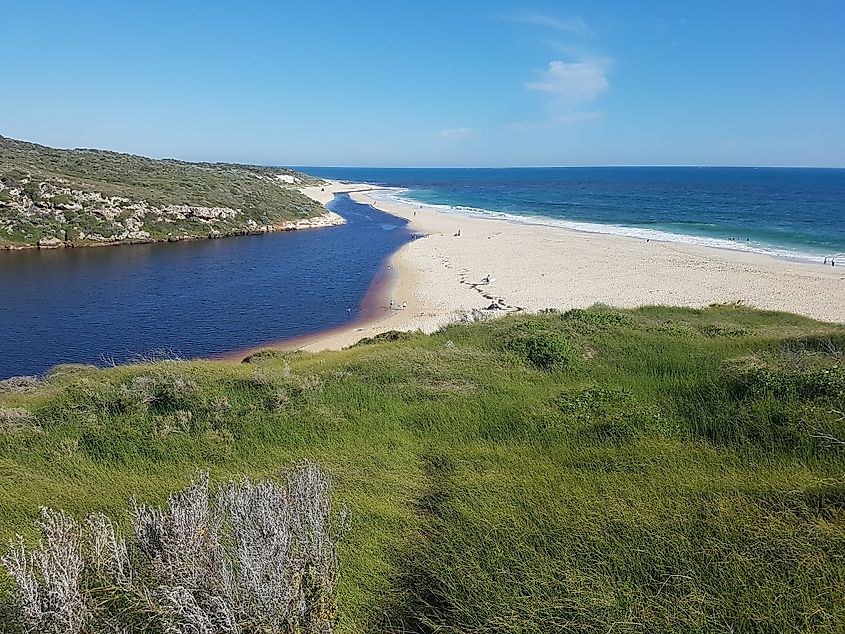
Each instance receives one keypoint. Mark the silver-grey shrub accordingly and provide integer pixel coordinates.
(48, 577)
(243, 558)
(161, 388)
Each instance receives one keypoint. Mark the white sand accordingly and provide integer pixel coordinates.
(537, 267)
(325, 193)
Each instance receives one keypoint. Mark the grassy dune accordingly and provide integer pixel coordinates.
(628, 471)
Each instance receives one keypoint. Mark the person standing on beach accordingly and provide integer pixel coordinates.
(404, 305)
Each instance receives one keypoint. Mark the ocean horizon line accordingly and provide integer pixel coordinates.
(563, 167)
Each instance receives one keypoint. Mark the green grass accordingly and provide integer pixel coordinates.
(628, 471)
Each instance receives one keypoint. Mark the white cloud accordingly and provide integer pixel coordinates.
(573, 82)
(573, 26)
(568, 87)
(457, 133)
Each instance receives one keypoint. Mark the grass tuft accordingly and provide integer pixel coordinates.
(544, 350)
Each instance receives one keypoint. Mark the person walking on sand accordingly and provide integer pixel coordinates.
(391, 304)
(404, 305)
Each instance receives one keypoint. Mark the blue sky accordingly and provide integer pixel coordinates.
(458, 83)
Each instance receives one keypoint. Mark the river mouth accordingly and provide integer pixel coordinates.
(202, 298)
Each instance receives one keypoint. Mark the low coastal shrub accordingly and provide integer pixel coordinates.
(807, 384)
(162, 390)
(586, 408)
(19, 384)
(245, 557)
(17, 419)
(544, 350)
(672, 329)
(64, 370)
(277, 386)
(718, 330)
(610, 414)
(803, 352)
(270, 354)
(390, 335)
(597, 316)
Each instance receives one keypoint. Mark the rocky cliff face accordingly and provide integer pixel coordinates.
(54, 198)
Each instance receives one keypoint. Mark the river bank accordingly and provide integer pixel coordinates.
(328, 219)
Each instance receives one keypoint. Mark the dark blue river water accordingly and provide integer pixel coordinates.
(197, 299)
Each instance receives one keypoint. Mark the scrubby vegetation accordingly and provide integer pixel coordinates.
(628, 471)
(248, 557)
(51, 197)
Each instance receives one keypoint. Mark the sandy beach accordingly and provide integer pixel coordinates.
(441, 276)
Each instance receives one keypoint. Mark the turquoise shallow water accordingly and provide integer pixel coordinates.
(797, 213)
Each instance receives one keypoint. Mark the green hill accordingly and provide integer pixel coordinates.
(83, 197)
(656, 470)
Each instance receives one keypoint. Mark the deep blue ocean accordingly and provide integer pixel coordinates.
(194, 299)
(790, 212)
